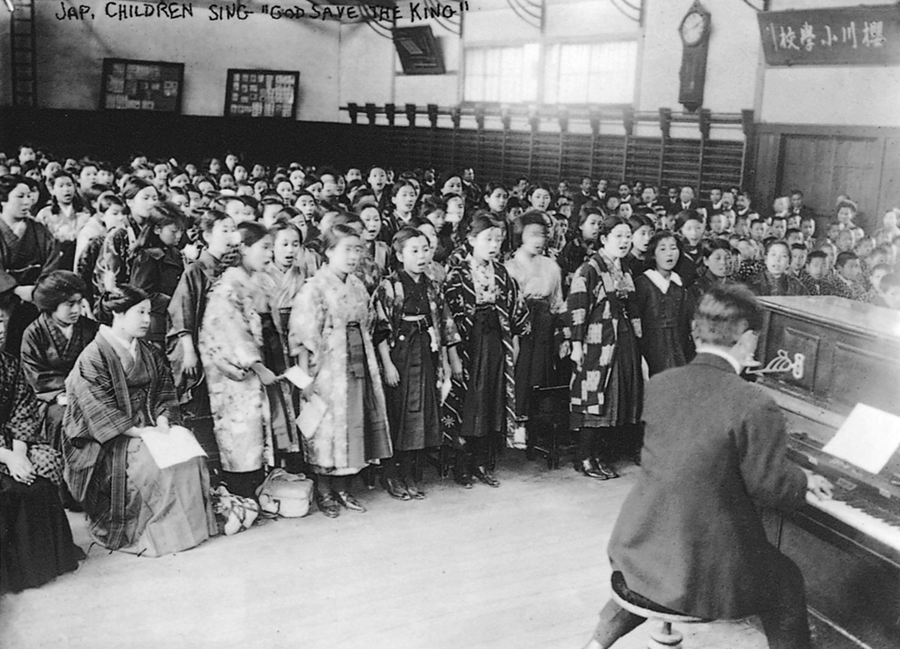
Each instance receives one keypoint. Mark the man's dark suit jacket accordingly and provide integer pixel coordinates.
(689, 536)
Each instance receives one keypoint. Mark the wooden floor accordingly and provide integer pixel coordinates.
(520, 566)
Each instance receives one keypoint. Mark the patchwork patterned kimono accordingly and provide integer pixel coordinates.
(599, 318)
(415, 333)
(514, 319)
(230, 342)
(325, 311)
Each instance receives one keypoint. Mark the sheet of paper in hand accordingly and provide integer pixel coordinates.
(174, 447)
(312, 411)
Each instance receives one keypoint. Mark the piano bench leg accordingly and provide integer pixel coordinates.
(665, 637)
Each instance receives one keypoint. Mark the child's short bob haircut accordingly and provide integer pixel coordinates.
(403, 236)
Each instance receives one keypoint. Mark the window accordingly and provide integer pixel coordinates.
(597, 73)
(502, 74)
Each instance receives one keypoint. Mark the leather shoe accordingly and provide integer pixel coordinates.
(486, 476)
(328, 505)
(346, 499)
(412, 488)
(396, 489)
(464, 480)
(605, 469)
(586, 467)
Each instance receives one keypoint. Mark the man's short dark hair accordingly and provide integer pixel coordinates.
(724, 314)
(843, 258)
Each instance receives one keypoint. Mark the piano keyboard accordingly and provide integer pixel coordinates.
(880, 524)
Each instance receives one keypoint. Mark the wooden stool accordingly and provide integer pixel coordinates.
(664, 637)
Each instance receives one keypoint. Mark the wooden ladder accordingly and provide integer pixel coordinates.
(24, 55)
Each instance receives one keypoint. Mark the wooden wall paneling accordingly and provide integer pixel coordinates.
(518, 156)
(442, 158)
(545, 158)
(722, 165)
(765, 166)
(578, 158)
(467, 151)
(680, 166)
(806, 163)
(609, 158)
(643, 159)
(492, 166)
(889, 187)
(857, 163)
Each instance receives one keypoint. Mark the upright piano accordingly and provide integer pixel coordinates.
(820, 357)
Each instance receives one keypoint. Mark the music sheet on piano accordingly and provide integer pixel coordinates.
(867, 439)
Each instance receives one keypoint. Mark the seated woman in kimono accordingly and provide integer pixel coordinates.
(120, 389)
(35, 539)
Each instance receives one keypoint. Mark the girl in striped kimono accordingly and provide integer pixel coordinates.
(413, 333)
(120, 387)
(607, 388)
(490, 315)
(279, 284)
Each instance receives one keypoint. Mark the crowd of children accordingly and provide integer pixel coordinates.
(325, 321)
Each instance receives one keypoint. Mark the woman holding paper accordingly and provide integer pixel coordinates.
(120, 390)
(231, 348)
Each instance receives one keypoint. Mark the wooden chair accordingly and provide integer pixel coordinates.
(548, 424)
(663, 636)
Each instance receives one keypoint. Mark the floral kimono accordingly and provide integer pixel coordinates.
(47, 358)
(65, 228)
(331, 319)
(514, 319)
(416, 337)
(373, 264)
(114, 262)
(230, 343)
(599, 317)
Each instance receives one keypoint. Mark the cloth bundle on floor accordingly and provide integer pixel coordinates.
(285, 494)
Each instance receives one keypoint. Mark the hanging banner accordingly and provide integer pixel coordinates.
(850, 36)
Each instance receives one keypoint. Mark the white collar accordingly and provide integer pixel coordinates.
(111, 336)
(721, 353)
(661, 282)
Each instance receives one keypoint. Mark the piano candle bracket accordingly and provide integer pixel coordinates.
(782, 364)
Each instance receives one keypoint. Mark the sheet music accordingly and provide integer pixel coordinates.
(312, 411)
(298, 377)
(867, 439)
(174, 447)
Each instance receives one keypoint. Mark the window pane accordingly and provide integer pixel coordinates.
(600, 73)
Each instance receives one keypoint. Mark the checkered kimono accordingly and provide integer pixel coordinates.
(592, 322)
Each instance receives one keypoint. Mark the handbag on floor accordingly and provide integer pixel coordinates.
(285, 494)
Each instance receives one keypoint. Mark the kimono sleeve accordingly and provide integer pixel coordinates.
(761, 440)
(50, 250)
(91, 393)
(145, 272)
(519, 314)
(183, 306)
(642, 303)
(307, 322)
(227, 331)
(581, 300)
(557, 303)
(24, 422)
(454, 294)
(36, 366)
(384, 301)
(166, 397)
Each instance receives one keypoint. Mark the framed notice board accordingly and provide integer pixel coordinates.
(261, 93)
(142, 85)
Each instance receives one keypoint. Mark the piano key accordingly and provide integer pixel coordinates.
(867, 524)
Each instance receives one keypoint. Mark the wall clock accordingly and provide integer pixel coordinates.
(694, 31)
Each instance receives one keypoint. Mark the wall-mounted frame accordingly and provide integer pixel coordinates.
(131, 84)
(262, 93)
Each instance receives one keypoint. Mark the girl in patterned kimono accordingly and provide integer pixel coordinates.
(540, 283)
(185, 316)
(582, 246)
(413, 333)
(119, 389)
(35, 539)
(65, 216)
(331, 320)
(376, 254)
(52, 344)
(27, 251)
(157, 264)
(117, 252)
(607, 388)
(490, 315)
(279, 284)
(661, 305)
(230, 345)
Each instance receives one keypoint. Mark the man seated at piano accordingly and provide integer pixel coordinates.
(689, 537)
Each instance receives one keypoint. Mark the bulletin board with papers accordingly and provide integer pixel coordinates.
(142, 85)
(262, 93)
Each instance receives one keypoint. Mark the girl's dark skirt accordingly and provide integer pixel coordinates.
(485, 404)
(623, 397)
(413, 405)
(35, 540)
(284, 430)
(535, 365)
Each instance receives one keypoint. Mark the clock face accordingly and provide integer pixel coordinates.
(693, 27)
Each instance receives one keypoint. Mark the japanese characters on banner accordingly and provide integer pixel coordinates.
(865, 35)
